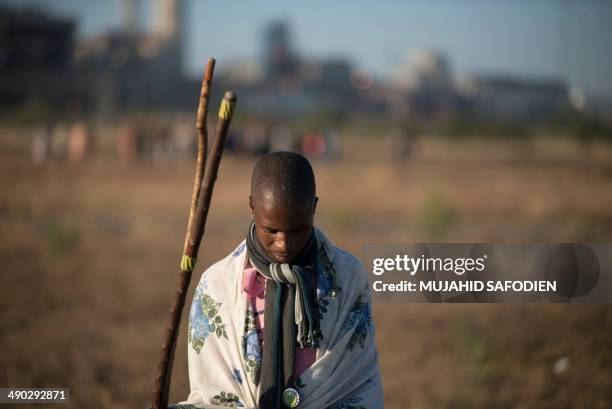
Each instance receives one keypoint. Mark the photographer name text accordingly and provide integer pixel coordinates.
(459, 266)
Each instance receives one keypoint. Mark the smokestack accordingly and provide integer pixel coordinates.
(166, 19)
(128, 11)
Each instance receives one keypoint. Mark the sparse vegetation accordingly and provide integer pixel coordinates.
(86, 291)
(436, 214)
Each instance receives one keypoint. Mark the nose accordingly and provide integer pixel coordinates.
(283, 242)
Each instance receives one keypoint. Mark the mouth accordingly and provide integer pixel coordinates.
(283, 257)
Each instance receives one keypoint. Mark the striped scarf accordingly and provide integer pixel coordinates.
(290, 315)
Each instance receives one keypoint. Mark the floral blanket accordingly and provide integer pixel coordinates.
(224, 355)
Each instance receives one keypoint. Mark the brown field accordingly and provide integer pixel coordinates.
(89, 254)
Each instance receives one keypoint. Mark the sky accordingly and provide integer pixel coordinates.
(566, 39)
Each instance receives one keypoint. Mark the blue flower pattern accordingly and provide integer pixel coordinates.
(204, 319)
(236, 375)
(239, 250)
(251, 353)
(327, 287)
(252, 346)
(323, 282)
(360, 321)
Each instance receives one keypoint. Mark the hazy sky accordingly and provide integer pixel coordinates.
(567, 39)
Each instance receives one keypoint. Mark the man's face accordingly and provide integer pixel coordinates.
(283, 231)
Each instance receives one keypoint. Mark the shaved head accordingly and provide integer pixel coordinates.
(283, 202)
(283, 179)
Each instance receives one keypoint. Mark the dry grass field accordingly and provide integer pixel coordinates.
(89, 254)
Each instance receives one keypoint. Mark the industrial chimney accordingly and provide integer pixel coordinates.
(128, 10)
(167, 19)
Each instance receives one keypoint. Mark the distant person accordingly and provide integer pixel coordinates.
(314, 145)
(184, 140)
(79, 141)
(282, 138)
(255, 139)
(285, 319)
(39, 150)
(400, 143)
(127, 142)
(161, 146)
(332, 144)
(59, 140)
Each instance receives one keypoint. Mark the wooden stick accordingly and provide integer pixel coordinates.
(190, 248)
(206, 174)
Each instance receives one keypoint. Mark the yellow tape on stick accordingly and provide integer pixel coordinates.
(187, 263)
(226, 110)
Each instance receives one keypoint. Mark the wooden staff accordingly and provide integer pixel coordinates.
(206, 174)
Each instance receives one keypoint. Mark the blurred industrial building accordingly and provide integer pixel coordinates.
(36, 57)
(127, 69)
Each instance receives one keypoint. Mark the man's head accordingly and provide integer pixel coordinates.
(283, 201)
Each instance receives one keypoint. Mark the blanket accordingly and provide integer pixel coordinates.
(224, 356)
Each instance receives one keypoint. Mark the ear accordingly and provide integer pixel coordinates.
(315, 204)
(251, 206)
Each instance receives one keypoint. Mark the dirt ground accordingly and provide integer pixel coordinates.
(89, 254)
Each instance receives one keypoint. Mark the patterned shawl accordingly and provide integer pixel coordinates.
(224, 355)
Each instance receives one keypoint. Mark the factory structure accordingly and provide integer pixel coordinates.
(35, 57)
(128, 69)
(284, 82)
(114, 71)
(425, 85)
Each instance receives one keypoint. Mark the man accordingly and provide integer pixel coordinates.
(285, 319)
